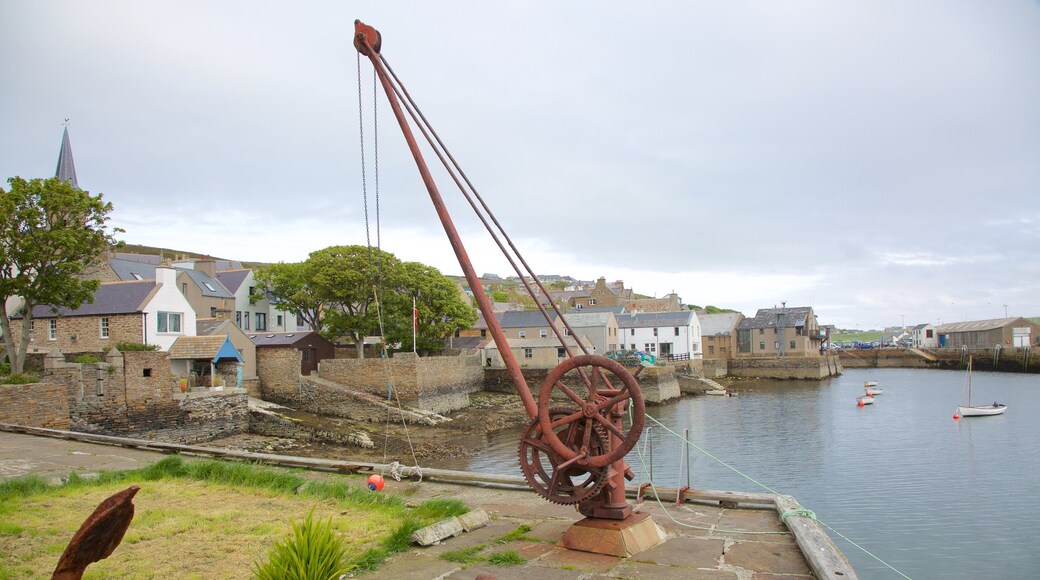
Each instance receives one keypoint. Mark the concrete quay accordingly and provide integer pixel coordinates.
(706, 539)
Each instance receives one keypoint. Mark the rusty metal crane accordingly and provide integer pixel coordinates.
(573, 450)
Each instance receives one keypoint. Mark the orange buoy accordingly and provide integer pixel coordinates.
(859, 404)
(956, 416)
(375, 482)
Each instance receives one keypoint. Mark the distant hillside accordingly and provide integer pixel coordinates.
(174, 254)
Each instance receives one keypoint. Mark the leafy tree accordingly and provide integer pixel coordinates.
(50, 232)
(292, 289)
(441, 309)
(345, 279)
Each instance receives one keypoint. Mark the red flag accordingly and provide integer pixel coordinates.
(415, 318)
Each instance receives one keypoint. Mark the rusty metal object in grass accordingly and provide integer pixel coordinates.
(99, 535)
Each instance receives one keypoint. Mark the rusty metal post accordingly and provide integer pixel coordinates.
(367, 40)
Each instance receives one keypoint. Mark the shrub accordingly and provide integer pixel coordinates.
(311, 552)
(87, 359)
(20, 379)
(135, 346)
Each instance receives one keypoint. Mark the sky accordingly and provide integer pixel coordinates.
(878, 161)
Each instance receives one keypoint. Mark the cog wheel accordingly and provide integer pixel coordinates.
(539, 463)
(599, 387)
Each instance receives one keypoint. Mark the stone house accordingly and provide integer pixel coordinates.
(535, 353)
(517, 324)
(777, 332)
(719, 334)
(143, 311)
(666, 335)
(241, 341)
(599, 328)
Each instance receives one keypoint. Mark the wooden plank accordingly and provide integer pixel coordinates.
(820, 551)
(735, 497)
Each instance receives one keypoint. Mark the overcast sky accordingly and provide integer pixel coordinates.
(879, 161)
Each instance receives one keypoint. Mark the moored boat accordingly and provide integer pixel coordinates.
(970, 410)
(874, 390)
(864, 400)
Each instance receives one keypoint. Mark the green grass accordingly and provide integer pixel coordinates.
(202, 518)
(864, 336)
(506, 558)
(469, 555)
(472, 555)
(517, 535)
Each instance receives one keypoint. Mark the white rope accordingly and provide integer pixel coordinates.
(397, 471)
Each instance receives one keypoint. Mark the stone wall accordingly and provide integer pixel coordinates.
(36, 405)
(82, 334)
(801, 367)
(278, 370)
(658, 384)
(715, 368)
(131, 394)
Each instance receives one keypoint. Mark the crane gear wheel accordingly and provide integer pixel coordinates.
(599, 387)
(539, 463)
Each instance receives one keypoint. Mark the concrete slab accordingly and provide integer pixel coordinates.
(549, 530)
(688, 552)
(767, 557)
(485, 535)
(416, 565)
(568, 559)
(657, 572)
(516, 573)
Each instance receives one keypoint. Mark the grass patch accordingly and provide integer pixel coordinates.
(506, 558)
(201, 519)
(466, 555)
(517, 535)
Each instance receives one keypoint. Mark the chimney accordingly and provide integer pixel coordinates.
(207, 266)
(223, 314)
(164, 275)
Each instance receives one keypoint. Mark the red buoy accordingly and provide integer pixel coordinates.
(956, 416)
(375, 482)
(860, 403)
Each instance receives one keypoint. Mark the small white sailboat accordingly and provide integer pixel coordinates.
(868, 384)
(864, 400)
(874, 390)
(717, 392)
(970, 410)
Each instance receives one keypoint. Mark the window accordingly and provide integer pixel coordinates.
(104, 327)
(928, 333)
(169, 322)
(245, 320)
(711, 349)
(212, 311)
(792, 344)
(676, 331)
(579, 306)
(761, 345)
(761, 331)
(184, 288)
(631, 347)
(632, 332)
(32, 329)
(711, 339)
(238, 318)
(209, 286)
(528, 353)
(251, 301)
(299, 320)
(523, 334)
(592, 301)
(774, 330)
(722, 350)
(136, 276)
(776, 345)
(306, 355)
(543, 332)
(261, 321)
(146, 372)
(52, 332)
(561, 352)
(650, 347)
(279, 319)
(655, 332)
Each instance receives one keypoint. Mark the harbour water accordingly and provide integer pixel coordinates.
(932, 496)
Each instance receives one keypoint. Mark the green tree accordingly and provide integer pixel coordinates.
(441, 309)
(291, 288)
(345, 279)
(50, 232)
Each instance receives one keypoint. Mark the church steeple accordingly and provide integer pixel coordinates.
(66, 168)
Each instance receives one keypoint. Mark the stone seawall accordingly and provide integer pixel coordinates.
(658, 384)
(36, 405)
(812, 367)
(1002, 359)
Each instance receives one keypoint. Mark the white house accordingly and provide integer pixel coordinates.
(168, 315)
(667, 335)
(924, 336)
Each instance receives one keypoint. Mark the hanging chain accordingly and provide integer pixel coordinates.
(361, 132)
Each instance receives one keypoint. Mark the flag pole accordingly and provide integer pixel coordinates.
(415, 323)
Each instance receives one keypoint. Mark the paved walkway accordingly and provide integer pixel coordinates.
(703, 543)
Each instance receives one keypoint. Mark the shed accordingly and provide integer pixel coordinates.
(206, 361)
(313, 347)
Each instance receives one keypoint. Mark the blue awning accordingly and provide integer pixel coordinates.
(227, 351)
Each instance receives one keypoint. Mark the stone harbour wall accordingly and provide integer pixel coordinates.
(35, 405)
(808, 367)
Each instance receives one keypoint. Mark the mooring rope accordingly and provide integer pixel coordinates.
(797, 511)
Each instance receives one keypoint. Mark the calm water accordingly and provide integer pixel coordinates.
(933, 497)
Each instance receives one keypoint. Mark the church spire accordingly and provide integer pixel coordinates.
(66, 168)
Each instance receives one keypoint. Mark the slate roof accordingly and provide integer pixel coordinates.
(211, 326)
(651, 319)
(143, 258)
(280, 338)
(722, 323)
(547, 342)
(198, 347)
(210, 287)
(66, 168)
(126, 269)
(232, 279)
(614, 309)
(977, 325)
(772, 317)
(921, 326)
(515, 319)
(583, 319)
(110, 298)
